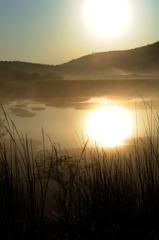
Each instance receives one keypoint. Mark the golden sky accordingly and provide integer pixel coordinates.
(57, 31)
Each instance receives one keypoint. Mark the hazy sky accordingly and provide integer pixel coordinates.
(56, 31)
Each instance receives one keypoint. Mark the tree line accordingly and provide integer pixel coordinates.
(18, 75)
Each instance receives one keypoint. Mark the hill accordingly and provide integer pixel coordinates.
(22, 71)
(142, 60)
(133, 62)
(27, 67)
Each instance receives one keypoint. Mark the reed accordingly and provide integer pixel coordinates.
(23, 187)
(100, 194)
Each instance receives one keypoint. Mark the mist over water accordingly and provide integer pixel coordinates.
(109, 121)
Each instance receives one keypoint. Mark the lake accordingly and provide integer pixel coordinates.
(71, 121)
(109, 113)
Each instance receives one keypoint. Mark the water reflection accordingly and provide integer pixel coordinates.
(104, 121)
(110, 125)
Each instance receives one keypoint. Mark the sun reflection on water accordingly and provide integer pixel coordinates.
(109, 125)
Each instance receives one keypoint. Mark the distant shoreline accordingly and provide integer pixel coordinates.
(79, 88)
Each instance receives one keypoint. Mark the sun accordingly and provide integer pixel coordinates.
(109, 126)
(108, 17)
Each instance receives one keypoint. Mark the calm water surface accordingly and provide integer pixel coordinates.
(107, 122)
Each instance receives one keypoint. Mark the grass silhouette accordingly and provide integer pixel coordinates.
(100, 194)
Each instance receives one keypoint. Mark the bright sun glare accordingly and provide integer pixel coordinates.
(109, 126)
(108, 17)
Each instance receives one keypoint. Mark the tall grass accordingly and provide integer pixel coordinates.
(23, 187)
(100, 194)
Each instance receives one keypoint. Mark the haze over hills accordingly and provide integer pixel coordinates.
(142, 60)
(112, 74)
